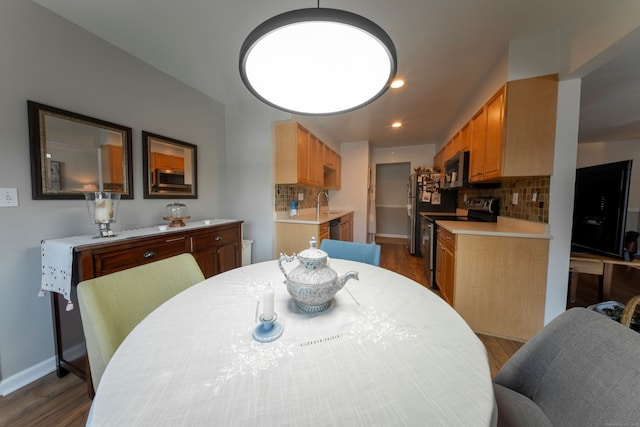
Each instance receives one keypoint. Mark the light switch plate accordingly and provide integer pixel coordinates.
(8, 197)
(515, 199)
(300, 196)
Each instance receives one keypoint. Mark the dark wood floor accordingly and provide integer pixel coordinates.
(53, 401)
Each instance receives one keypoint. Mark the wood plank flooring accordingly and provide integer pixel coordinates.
(58, 402)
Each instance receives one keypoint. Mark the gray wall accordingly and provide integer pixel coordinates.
(49, 60)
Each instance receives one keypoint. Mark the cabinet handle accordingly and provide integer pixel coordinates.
(148, 254)
(218, 238)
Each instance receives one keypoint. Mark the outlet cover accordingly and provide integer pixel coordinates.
(515, 199)
(8, 197)
(300, 196)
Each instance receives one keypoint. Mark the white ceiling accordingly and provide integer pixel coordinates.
(445, 49)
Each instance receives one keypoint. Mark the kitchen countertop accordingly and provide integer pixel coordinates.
(309, 216)
(505, 227)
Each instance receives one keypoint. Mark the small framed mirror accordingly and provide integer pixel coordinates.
(72, 154)
(170, 168)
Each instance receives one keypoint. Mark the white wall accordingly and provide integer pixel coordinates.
(49, 60)
(561, 197)
(353, 191)
(250, 189)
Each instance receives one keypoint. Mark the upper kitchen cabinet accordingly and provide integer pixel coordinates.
(514, 133)
(300, 158)
(331, 172)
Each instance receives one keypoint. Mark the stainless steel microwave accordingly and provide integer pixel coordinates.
(456, 170)
(170, 180)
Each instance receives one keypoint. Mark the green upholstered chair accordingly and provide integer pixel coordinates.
(112, 305)
(368, 253)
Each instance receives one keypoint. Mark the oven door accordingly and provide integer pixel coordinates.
(427, 242)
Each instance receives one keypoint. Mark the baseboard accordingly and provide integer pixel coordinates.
(27, 376)
(394, 236)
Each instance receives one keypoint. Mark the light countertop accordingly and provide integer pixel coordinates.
(310, 216)
(505, 227)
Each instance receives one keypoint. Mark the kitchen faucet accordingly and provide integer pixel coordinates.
(318, 205)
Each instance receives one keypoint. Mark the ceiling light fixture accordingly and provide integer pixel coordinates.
(318, 61)
(397, 83)
(396, 124)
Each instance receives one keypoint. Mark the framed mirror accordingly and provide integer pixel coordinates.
(170, 168)
(72, 154)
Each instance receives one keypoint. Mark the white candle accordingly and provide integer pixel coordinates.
(267, 312)
(103, 210)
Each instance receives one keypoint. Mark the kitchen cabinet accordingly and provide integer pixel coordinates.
(316, 161)
(294, 237)
(464, 143)
(216, 248)
(497, 283)
(346, 228)
(331, 170)
(477, 144)
(519, 131)
(166, 161)
(445, 264)
(111, 156)
(300, 158)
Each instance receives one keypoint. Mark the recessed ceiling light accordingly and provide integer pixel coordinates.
(396, 124)
(397, 83)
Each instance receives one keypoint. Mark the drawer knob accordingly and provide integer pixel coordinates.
(149, 254)
(218, 238)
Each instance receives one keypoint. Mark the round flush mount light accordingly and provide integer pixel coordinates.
(318, 61)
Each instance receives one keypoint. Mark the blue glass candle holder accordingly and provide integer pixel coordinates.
(268, 330)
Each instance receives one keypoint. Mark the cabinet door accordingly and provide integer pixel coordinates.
(303, 155)
(478, 142)
(494, 136)
(315, 161)
(465, 138)
(227, 257)
(447, 289)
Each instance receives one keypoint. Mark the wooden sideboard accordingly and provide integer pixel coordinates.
(217, 248)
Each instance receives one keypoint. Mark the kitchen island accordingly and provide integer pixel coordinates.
(494, 274)
(293, 234)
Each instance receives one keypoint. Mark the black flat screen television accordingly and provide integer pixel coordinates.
(600, 208)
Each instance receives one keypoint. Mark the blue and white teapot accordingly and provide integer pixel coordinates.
(313, 284)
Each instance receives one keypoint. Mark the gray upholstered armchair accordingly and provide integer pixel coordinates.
(582, 369)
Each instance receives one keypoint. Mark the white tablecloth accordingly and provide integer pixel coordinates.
(388, 352)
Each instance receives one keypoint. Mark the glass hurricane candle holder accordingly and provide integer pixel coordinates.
(103, 210)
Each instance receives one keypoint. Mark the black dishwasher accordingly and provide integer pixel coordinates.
(334, 229)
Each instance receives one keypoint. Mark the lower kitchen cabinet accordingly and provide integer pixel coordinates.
(445, 263)
(216, 248)
(293, 237)
(496, 283)
(346, 228)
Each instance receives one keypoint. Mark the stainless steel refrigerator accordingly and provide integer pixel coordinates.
(425, 195)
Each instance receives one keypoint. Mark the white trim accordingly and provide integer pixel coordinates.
(397, 236)
(27, 376)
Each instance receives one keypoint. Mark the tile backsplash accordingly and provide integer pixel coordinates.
(288, 192)
(527, 209)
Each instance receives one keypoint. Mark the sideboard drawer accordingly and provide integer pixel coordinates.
(208, 240)
(117, 260)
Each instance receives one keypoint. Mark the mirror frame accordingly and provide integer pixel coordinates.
(149, 193)
(38, 147)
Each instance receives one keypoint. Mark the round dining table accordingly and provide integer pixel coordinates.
(387, 352)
